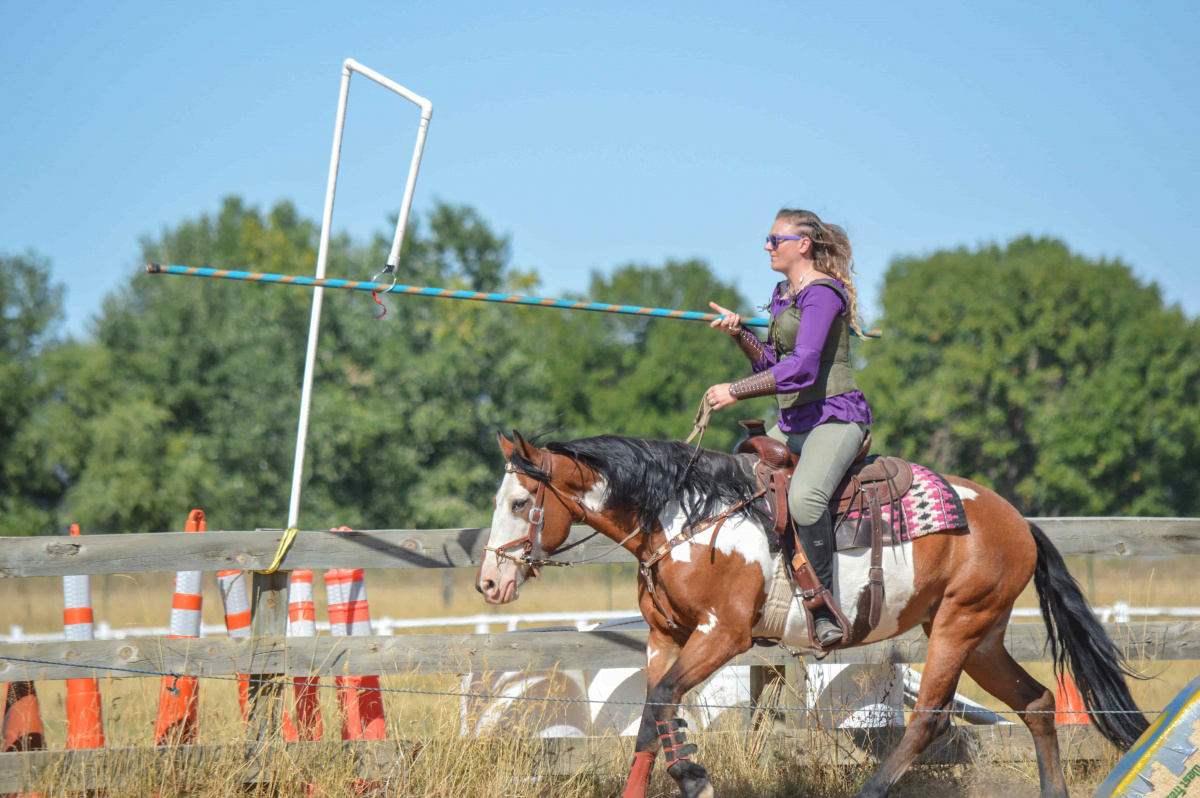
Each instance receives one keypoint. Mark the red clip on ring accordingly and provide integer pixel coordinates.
(389, 269)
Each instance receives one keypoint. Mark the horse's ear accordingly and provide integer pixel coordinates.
(506, 445)
(527, 449)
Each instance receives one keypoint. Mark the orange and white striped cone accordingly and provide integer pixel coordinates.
(236, 601)
(177, 722)
(349, 615)
(302, 622)
(22, 726)
(1069, 708)
(85, 726)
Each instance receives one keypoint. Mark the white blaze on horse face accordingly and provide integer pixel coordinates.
(965, 493)
(738, 535)
(507, 527)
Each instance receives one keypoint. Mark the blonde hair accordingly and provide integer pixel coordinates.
(831, 253)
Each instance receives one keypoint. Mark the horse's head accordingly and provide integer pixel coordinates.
(541, 495)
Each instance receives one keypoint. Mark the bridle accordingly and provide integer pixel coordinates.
(531, 543)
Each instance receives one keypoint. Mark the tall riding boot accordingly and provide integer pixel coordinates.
(819, 547)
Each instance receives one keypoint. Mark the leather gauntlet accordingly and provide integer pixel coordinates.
(750, 344)
(761, 384)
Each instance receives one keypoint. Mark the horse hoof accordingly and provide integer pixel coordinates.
(692, 779)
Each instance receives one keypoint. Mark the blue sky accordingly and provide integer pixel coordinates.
(599, 134)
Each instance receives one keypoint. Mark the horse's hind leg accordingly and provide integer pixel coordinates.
(997, 672)
(956, 631)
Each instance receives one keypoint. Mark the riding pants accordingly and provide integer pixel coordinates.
(825, 453)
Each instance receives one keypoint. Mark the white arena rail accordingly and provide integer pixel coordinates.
(841, 695)
(483, 623)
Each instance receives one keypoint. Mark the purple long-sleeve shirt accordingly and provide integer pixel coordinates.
(819, 305)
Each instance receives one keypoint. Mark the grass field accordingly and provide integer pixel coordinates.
(737, 760)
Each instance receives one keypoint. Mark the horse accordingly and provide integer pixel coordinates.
(959, 586)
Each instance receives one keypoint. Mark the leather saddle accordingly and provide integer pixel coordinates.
(870, 480)
(871, 483)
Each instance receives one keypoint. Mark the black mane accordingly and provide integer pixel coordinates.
(644, 476)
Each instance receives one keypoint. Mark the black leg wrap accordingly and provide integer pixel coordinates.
(676, 748)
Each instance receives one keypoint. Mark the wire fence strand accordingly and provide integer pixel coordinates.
(547, 699)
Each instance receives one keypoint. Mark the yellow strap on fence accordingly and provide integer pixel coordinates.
(284, 544)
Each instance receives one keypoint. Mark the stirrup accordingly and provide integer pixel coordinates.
(835, 626)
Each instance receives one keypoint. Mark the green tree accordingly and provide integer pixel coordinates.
(187, 393)
(30, 307)
(1063, 383)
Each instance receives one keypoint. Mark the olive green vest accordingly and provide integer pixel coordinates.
(834, 376)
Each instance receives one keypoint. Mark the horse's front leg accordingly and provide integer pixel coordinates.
(704, 652)
(661, 652)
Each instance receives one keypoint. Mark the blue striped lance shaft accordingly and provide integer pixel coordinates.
(446, 293)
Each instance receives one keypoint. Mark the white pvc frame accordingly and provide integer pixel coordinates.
(349, 67)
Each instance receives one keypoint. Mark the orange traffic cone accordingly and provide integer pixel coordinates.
(85, 726)
(232, 586)
(177, 722)
(22, 719)
(302, 622)
(359, 696)
(1068, 704)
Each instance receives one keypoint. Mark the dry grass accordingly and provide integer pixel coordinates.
(741, 761)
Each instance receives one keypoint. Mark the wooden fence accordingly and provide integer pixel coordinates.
(455, 548)
(269, 653)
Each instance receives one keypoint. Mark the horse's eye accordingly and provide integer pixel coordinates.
(519, 505)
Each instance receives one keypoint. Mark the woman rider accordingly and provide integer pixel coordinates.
(805, 363)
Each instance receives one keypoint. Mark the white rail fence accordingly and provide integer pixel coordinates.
(483, 623)
(842, 696)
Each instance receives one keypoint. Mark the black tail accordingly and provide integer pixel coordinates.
(1079, 643)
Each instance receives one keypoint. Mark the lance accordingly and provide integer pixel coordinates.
(446, 293)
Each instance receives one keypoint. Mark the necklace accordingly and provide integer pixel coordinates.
(793, 292)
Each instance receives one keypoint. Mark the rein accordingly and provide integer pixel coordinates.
(648, 566)
(684, 535)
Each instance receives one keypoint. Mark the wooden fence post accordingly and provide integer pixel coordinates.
(268, 616)
(781, 686)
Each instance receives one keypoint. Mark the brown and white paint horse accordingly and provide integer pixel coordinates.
(959, 586)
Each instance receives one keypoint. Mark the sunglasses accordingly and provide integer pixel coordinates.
(773, 240)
